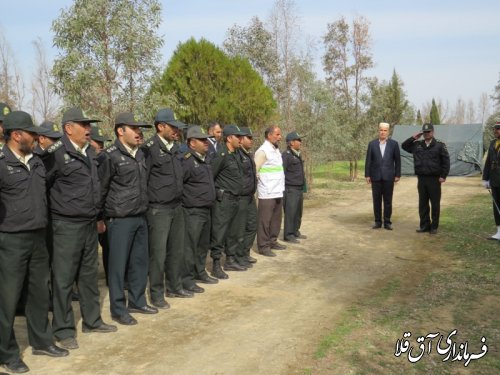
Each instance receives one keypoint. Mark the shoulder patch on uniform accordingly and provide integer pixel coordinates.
(55, 146)
(111, 149)
(2, 155)
(287, 151)
(187, 155)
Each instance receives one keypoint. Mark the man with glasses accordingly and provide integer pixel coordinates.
(73, 187)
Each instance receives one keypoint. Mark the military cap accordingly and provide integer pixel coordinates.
(127, 118)
(167, 116)
(75, 114)
(19, 120)
(96, 134)
(4, 110)
(497, 125)
(232, 130)
(50, 129)
(428, 127)
(247, 131)
(196, 132)
(294, 136)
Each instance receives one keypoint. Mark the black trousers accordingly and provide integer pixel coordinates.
(74, 258)
(270, 212)
(224, 212)
(293, 203)
(24, 255)
(128, 253)
(251, 224)
(197, 242)
(495, 192)
(429, 190)
(382, 192)
(166, 250)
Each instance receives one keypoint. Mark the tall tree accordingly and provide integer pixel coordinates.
(109, 54)
(45, 102)
(434, 114)
(419, 118)
(209, 85)
(12, 88)
(345, 62)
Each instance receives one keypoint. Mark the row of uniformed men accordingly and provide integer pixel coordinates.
(133, 195)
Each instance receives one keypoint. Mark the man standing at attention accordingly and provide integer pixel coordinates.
(74, 192)
(293, 166)
(124, 200)
(491, 176)
(432, 165)
(24, 258)
(382, 170)
(270, 187)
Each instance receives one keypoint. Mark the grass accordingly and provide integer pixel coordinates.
(463, 294)
(335, 175)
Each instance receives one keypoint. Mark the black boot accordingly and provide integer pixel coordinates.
(232, 265)
(217, 270)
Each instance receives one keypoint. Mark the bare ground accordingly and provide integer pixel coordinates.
(270, 319)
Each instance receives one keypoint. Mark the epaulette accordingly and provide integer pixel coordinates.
(110, 149)
(150, 142)
(187, 155)
(55, 147)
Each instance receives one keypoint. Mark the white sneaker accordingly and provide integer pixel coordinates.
(496, 236)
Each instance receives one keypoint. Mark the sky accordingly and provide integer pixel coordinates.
(440, 49)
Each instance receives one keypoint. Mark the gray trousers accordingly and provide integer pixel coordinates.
(269, 222)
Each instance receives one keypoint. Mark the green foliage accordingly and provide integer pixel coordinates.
(434, 115)
(388, 102)
(419, 118)
(109, 52)
(209, 85)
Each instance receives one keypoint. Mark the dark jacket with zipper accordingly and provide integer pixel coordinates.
(72, 182)
(23, 202)
(123, 182)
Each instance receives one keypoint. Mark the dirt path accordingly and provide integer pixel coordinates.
(270, 319)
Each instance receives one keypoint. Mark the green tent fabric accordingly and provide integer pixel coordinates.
(464, 143)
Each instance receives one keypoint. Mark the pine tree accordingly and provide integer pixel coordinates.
(419, 118)
(434, 115)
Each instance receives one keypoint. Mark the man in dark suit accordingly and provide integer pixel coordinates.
(382, 169)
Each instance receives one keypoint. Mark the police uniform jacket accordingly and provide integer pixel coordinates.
(293, 166)
(199, 187)
(39, 151)
(491, 170)
(164, 170)
(249, 172)
(227, 171)
(123, 182)
(432, 160)
(23, 202)
(72, 182)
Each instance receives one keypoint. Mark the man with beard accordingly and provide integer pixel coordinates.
(23, 254)
(124, 201)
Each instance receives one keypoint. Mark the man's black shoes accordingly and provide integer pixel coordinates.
(146, 309)
(16, 366)
(51, 351)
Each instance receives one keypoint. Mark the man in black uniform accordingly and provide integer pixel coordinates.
(23, 254)
(165, 216)
(214, 139)
(228, 177)
(73, 187)
(197, 199)
(50, 134)
(432, 165)
(246, 220)
(98, 139)
(491, 177)
(293, 197)
(124, 200)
